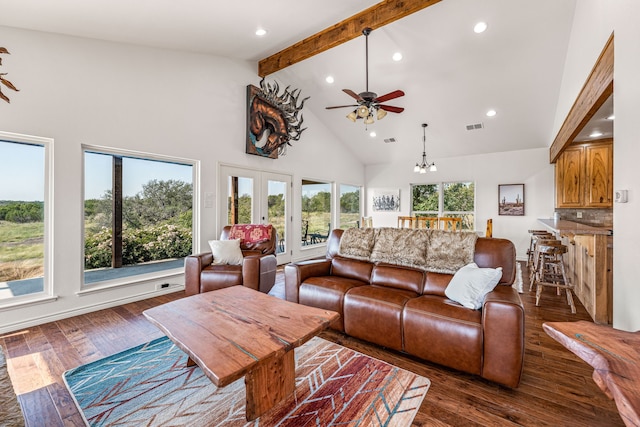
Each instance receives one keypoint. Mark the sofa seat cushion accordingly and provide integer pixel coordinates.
(442, 331)
(374, 314)
(218, 276)
(327, 292)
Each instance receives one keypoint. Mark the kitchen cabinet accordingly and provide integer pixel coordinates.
(584, 176)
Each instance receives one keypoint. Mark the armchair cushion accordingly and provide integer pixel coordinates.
(226, 252)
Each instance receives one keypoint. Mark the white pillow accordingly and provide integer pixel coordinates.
(226, 251)
(470, 284)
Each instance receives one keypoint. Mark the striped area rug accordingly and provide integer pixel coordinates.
(150, 385)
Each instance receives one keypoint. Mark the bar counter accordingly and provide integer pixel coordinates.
(588, 262)
(570, 227)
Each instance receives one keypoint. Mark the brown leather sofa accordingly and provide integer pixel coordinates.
(405, 309)
(258, 269)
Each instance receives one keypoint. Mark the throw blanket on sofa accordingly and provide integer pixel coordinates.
(436, 251)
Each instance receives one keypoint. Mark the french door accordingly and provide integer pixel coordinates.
(256, 197)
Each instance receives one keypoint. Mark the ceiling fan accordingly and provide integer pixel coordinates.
(369, 103)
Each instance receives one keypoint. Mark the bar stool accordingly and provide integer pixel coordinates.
(532, 261)
(534, 234)
(551, 272)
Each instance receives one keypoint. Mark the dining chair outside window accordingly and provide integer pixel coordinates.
(450, 223)
(367, 222)
(305, 232)
(406, 222)
(430, 222)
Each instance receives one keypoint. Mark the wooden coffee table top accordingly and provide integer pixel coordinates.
(228, 331)
(615, 357)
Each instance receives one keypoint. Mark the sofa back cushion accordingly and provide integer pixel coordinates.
(496, 253)
(394, 276)
(351, 268)
(436, 283)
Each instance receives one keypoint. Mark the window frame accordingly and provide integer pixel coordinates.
(441, 212)
(47, 293)
(332, 219)
(195, 231)
(338, 205)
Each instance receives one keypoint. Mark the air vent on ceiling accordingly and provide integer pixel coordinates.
(388, 140)
(475, 126)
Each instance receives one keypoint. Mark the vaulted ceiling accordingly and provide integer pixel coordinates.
(451, 75)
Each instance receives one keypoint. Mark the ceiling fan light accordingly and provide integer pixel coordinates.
(352, 116)
(363, 111)
(369, 120)
(433, 167)
(381, 113)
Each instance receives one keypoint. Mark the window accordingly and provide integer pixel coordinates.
(24, 220)
(349, 206)
(137, 215)
(449, 199)
(316, 211)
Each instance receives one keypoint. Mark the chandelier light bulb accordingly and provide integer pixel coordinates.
(416, 168)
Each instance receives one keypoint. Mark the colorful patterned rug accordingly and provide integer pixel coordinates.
(150, 385)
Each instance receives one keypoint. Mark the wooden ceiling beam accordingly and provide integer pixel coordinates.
(595, 92)
(374, 17)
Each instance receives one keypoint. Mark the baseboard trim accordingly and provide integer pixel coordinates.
(52, 317)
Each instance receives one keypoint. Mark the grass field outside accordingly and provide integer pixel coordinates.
(21, 250)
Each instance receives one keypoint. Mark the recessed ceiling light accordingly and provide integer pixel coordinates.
(611, 117)
(491, 113)
(595, 134)
(261, 32)
(329, 79)
(480, 27)
(397, 56)
(373, 134)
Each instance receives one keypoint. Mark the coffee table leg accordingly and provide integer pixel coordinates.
(190, 362)
(269, 383)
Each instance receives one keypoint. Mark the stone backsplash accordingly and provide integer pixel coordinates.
(594, 217)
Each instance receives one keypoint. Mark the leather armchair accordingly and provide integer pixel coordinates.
(258, 269)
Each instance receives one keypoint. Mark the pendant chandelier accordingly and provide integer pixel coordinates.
(422, 167)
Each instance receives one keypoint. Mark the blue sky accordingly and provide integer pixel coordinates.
(22, 173)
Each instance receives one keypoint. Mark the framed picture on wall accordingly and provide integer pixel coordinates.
(386, 200)
(511, 199)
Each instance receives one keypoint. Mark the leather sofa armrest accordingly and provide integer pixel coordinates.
(259, 272)
(295, 274)
(503, 328)
(193, 266)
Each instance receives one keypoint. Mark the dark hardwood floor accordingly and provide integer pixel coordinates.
(556, 389)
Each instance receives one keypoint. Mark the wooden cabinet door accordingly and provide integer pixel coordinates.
(569, 178)
(599, 166)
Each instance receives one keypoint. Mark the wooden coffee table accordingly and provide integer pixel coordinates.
(235, 332)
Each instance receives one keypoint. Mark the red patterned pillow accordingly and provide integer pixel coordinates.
(251, 233)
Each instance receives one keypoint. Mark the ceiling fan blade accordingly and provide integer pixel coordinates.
(352, 94)
(390, 95)
(392, 109)
(341, 106)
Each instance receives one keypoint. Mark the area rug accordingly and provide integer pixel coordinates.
(150, 385)
(10, 411)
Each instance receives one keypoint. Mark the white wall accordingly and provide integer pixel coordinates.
(81, 91)
(529, 167)
(594, 22)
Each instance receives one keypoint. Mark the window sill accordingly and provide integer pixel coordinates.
(128, 281)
